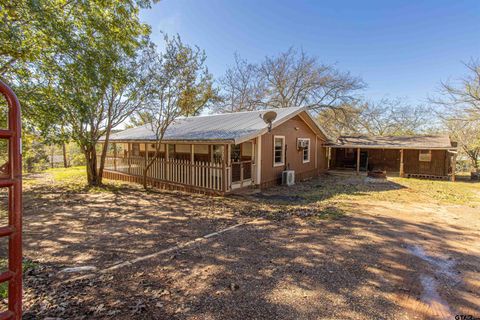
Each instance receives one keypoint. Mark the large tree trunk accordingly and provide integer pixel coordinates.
(149, 163)
(475, 165)
(64, 151)
(104, 154)
(93, 178)
(52, 154)
(145, 172)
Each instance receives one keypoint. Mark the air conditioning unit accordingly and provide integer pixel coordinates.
(302, 144)
(288, 177)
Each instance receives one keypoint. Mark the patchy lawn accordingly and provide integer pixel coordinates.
(336, 247)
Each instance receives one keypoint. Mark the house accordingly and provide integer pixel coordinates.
(428, 156)
(222, 153)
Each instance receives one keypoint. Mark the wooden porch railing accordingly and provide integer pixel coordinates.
(199, 174)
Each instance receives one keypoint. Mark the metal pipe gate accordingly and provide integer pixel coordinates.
(12, 179)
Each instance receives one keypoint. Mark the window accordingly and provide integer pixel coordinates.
(304, 144)
(278, 151)
(425, 155)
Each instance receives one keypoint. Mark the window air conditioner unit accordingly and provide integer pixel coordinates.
(288, 177)
(302, 144)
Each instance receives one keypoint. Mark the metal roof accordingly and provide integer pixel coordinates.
(232, 127)
(395, 142)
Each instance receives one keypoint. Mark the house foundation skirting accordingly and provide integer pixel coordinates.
(299, 177)
(112, 175)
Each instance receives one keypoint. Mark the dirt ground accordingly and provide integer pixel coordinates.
(337, 247)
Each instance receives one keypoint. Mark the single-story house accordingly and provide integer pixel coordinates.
(427, 156)
(222, 153)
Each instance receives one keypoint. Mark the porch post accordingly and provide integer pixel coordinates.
(258, 161)
(229, 165)
(115, 156)
(358, 161)
(224, 169)
(329, 157)
(146, 155)
(129, 156)
(402, 172)
(454, 165)
(192, 162)
(167, 162)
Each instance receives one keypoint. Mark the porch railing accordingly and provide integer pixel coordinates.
(198, 174)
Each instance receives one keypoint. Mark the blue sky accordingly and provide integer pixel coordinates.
(400, 48)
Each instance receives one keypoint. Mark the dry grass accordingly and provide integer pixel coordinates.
(401, 190)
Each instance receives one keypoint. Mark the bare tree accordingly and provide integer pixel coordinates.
(340, 121)
(379, 118)
(242, 88)
(467, 135)
(181, 86)
(459, 104)
(295, 79)
(392, 117)
(289, 79)
(462, 97)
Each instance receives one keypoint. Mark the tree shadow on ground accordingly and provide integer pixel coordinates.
(356, 265)
(325, 187)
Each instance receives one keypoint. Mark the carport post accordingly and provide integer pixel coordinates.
(402, 172)
(454, 165)
(358, 161)
(329, 157)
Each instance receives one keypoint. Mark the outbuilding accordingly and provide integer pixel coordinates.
(424, 156)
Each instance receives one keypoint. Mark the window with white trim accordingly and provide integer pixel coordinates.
(425, 155)
(278, 150)
(305, 142)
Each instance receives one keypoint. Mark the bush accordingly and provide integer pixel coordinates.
(77, 160)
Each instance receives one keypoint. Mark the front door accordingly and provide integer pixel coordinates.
(241, 159)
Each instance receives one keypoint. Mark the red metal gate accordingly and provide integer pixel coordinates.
(11, 178)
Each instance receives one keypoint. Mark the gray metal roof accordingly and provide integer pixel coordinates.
(232, 127)
(395, 142)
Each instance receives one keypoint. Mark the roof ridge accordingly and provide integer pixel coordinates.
(251, 111)
(394, 136)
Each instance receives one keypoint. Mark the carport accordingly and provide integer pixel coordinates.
(424, 156)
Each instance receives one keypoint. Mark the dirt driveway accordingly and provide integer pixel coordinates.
(325, 249)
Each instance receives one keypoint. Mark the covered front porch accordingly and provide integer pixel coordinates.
(216, 168)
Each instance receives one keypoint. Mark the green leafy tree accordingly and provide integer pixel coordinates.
(76, 65)
(180, 86)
